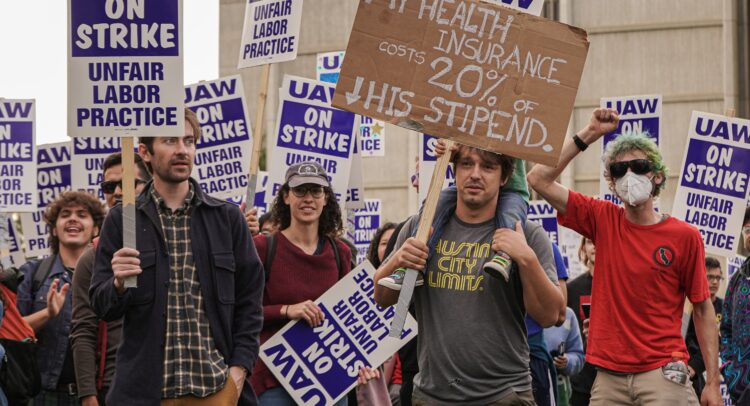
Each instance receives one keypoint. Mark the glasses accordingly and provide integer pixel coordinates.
(109, 186)
(746, 231)
(638, 166)
(302, 191)
(713, 278)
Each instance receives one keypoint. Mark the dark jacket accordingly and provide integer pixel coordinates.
(231, 278)
(54, 336)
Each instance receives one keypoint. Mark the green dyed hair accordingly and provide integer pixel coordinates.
(636, 141)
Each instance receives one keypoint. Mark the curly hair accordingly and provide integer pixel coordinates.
(640, 141)
(68, 199)
(330, 224)
(372, 250)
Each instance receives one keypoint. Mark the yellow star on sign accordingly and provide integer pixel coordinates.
(377, 128)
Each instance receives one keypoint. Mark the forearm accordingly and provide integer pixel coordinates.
(383, 296)
(84, 362)
(38, 320)
(542, 298)
(705, 327)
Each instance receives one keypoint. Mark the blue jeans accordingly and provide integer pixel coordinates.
(278, 397)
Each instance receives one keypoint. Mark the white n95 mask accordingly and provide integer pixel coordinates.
(634, 189)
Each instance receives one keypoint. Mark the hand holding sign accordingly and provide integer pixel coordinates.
(412, 255)
(251, 217)
(306, 310)
(125, 264)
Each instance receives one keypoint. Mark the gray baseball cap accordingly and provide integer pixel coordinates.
(306, 172)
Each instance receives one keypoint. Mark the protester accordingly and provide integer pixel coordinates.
(191, 326)
(483, 358)
(302, 260)
(566, 349)
(696, 365)
(73, 219)
(267, 226)
(579, 299)
(3, 398)
(735, 328)
(94, 341)
(541, 363)
(648, 262)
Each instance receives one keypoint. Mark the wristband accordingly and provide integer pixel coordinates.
(579, 143)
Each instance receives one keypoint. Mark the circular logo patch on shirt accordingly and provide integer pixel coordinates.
(664, 256)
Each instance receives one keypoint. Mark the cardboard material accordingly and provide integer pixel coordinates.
(476, 73)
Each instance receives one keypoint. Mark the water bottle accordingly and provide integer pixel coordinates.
(499, 266)
(676, 370)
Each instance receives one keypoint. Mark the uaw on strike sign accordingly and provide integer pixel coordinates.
(125, 68)
(319, 365)
(480, 74)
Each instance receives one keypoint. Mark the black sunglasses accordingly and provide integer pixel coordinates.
(315, 190)
(638, 166)
(109, 186)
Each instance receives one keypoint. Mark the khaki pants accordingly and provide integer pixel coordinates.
(525, 398)
(646, 388)
(227, 396)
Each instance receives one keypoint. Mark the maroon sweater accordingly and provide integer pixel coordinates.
(294, 277)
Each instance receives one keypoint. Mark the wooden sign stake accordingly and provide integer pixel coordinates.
(252, 177)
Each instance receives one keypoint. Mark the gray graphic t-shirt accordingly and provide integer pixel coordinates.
(472, 336)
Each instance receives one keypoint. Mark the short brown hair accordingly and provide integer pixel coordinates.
(67, 199)
(506, 163)
(190, 118)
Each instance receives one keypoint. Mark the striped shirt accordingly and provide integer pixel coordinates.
(192, 364)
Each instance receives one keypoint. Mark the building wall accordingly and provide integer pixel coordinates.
(682, 49)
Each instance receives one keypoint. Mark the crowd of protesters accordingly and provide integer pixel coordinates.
(213, 284)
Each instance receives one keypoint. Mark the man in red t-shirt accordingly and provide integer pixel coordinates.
(646, 264)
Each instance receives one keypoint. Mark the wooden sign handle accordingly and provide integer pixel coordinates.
(128, 202)
(423, 234)
(730, 113)
(252, 177)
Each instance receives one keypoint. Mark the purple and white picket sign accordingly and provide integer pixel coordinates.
(125, 68)
(318, 366)
(713, 183)
(328, 67)
(309, 129)
(270, 33)
(638, 114)
(361, 226)
(427, 162)
(534, 7)
(53, 178)
(543, 213)
(261, 184)
(87, 159)
(17, 155)
(734, 263)
(11, 253)
(222, 156)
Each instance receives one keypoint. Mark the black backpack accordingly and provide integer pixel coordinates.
(271, 251)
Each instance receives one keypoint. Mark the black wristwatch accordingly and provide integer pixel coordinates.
(579, 143)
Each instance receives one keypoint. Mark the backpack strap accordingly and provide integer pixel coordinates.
(41, 272)
(335, 253)
(270, 251)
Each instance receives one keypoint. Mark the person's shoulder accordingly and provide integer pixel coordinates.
(533, 232)
(343, 247)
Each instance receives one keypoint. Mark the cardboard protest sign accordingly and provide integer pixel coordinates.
(427, 161)
(638, 114)
(361, 226)
(734, 263)
(11, 253)
(543, 213)
(125, 68)
(569, 243)
(529, 6)
(479, 74)
(53, 178)
(713, 185)
(309, 129)
(222, 156)
(270, 33)
(17, 155)
(87, 159)
(317, 366)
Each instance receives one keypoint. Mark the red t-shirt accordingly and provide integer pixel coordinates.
(643, 274)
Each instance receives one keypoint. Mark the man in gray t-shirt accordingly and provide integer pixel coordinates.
(472, 336)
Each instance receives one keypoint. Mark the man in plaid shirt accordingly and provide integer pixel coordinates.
(192, 324)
